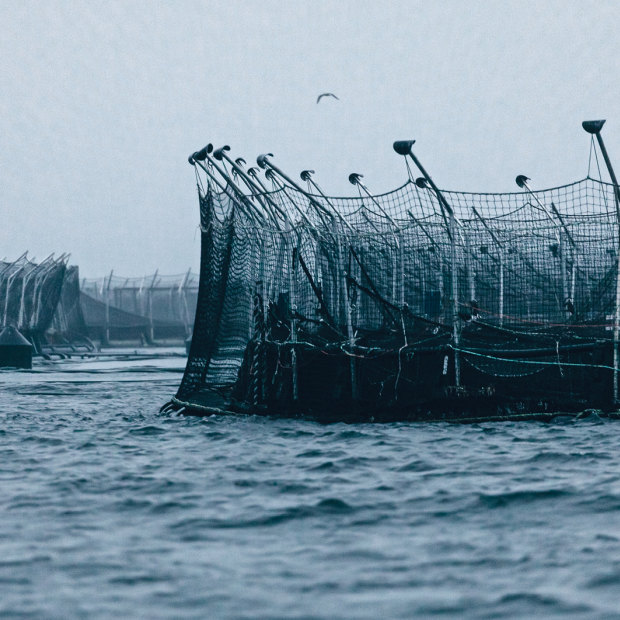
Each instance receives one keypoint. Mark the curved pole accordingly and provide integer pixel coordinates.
(236, 189)
(271, 175)
(203, 155)
(252, 180)
(354, 179)
(263, 162)
(594, 127)
(422, 183)
(404, 147)
(218, 183)
(253, 173)
(500, 245)
(342, 288)
(220, 154)
(194, 161)
(521, 181)
(306, 175)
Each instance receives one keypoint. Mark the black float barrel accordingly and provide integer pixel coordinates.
(15, 350)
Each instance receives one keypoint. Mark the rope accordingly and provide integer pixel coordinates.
(532, 362)
(590, 155)
(399, 290)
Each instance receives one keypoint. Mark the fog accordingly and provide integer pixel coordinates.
(102, 102)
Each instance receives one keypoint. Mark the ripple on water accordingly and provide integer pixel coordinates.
(111, 509)
(148, 430)
(524, 497)
(416, 465)
(330, 506)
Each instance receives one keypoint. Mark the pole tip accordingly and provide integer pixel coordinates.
(521, 180)
(593, 126)
(201, 155)
(262, 160)
(219, 153)
(403, 147)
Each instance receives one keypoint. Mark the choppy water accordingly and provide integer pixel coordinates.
(109, 509)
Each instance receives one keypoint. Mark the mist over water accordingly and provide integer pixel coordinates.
(102, 102)
(109, 508)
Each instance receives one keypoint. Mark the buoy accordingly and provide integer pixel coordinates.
(15, 350)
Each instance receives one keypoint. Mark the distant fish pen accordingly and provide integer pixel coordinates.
(418, 304)
(42, 301)
(148, 308)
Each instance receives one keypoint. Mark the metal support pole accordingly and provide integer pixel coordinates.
(594, 127)
(501, 287)
(456, 332)
(293, 304)
(150, 302)
(350, 334)
(183, 294)
(107, 309)
(404, 147)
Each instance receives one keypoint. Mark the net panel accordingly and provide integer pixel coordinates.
(540, 264)
(30, 292)
(68, 322)
(164, 300)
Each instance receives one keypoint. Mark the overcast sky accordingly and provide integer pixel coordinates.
(101, 102)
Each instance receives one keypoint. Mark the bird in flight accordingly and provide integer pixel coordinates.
(326, 95)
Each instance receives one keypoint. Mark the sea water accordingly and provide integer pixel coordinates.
(110, 509)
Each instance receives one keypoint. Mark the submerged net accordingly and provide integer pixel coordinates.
(511, 284)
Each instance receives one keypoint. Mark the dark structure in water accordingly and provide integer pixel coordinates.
(419, 304)
(42, 301)
(151, 308)
(15, 350)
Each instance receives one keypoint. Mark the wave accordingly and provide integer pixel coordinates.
(523, 497)
(330, 506)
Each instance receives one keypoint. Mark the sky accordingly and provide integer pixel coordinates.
(101, 102)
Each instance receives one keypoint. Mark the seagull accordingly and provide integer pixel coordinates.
(326, 95)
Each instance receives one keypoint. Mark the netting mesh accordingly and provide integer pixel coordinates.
(509, 284)
(29, 292)
(68, 323)
(170, 298)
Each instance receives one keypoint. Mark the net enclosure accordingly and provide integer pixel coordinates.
(416, 304)
(153, 307)
(41, 300)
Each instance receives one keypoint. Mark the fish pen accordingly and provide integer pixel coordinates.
(41, 300)
(418, 304)
(151, 308)
(68, 328)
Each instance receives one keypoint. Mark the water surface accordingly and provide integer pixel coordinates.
(108, 508)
